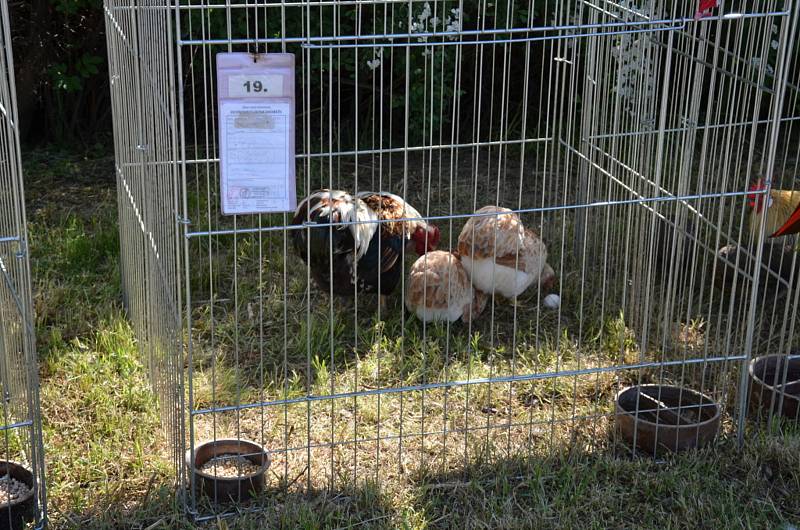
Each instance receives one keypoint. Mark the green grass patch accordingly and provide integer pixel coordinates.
(501, 456)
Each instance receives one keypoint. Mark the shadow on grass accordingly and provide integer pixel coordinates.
(347, 507)
(363, 506)
(717, 487)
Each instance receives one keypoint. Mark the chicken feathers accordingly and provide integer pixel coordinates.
(501, 255)
(365, 254)
(332, 252)
(781, 206)
(439, 289)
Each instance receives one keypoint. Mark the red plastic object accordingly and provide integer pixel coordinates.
(792, 226)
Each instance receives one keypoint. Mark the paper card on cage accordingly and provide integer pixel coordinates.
(256, 104)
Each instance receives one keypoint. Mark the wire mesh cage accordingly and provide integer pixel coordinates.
(625, 136)
(22, 485)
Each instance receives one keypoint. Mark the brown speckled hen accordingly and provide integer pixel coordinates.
(439, 289)
(501, 255)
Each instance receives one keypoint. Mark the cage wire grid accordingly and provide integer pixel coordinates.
(20, 428)
(625, 133)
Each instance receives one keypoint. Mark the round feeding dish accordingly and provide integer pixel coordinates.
(228, 470)
(16, 495)
(658, 418)
(775, 385)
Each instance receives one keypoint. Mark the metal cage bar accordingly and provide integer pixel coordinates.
(625, 133)
(21, 442)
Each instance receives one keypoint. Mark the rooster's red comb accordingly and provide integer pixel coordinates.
(707, 4)
(703, 7)
(758, 186)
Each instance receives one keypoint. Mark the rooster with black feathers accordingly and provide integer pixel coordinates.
(364, 253)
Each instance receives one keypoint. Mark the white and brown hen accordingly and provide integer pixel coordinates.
(439, 289)
(501, 255)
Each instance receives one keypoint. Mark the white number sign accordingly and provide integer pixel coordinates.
(256, 132)
(246, 86)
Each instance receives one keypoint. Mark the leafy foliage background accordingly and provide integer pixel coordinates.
(61, 74)
(62, 77)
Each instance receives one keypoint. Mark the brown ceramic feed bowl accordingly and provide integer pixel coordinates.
(769, 394)
(13, 516)
(228, 489)
(658, 418)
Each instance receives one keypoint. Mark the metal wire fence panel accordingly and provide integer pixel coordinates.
(146, 127)
(623, 135)
(21, 446)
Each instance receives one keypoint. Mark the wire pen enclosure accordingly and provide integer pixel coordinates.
(626, 136)
(22, 484)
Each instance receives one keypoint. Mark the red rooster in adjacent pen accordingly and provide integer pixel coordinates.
(704, 8)
(365, 254)
(783, 211)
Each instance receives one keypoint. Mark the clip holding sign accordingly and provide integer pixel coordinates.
(256, 132)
